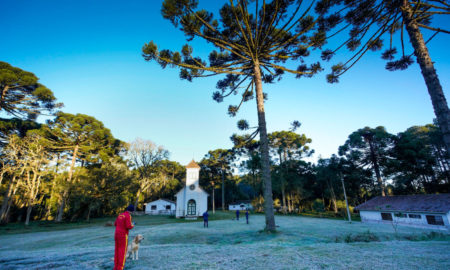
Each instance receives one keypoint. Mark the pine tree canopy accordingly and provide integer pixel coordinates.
(22, 95)
(248, 33)
(374, 25)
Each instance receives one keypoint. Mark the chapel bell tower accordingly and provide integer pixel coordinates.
(192, 175)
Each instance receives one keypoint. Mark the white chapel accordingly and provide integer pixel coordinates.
(192, 200)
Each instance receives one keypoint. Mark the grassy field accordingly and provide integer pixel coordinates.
(300, 243)
(44, 226)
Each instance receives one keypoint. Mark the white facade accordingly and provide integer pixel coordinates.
(240, 206)
(192, 200)
(160, 207)
(414, 219)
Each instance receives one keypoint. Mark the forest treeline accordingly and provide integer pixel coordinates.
(72, 168)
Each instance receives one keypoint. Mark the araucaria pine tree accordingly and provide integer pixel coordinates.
(377, 24)
(254, 42)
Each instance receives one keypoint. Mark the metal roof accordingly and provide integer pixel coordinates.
(433, 203)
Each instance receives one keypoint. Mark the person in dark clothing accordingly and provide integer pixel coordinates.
(246, 215)
(237, 214)
(205, 219)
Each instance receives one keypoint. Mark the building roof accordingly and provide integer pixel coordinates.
(166, 200)
(240, 202)
(434, 203)
(192, 164)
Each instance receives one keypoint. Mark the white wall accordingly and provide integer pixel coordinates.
(375, 216)
(197, 194)
(160, 207)
(180, 211)
(192, 175)
(242, 206)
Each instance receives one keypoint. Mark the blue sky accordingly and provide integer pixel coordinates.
(89, 54)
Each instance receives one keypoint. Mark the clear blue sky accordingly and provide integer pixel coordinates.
(89, 54)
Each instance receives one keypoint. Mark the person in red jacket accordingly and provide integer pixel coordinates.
(123, 225)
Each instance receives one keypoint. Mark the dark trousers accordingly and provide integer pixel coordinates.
(205, 223)
(247, 219)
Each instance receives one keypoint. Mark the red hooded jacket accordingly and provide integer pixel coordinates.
(123, 223)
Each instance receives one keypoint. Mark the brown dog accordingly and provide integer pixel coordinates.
(133, 248)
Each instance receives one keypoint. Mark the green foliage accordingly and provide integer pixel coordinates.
(16, 126)
(369, 24)
(318, 205)
(67, 131)
(419, 155)
(21, 95)
(367, 236)
(369, 147)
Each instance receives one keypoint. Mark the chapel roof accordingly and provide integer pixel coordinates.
(192, 164)
(437, 203)
(166, 200)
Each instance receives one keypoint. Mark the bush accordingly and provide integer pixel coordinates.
(359, 237)
(318, 206)
(426, 236)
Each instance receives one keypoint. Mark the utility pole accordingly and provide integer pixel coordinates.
(213, 199)
(345, 196)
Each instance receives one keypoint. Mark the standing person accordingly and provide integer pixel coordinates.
(123, 225)
(237, 214)
(205, 219)
(246, 215)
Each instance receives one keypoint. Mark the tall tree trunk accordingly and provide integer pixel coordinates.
(213, 200)
(223, 189)
(88, 215)
(290, 202)
(376, 167)
(52, 191)
(11, 197)
(49, 205)
(283, 196)
(283, 185)
(438, 100)
(1, 176)
(137, 199)
(61, 207)
(264, 148)
(346, 201)
(69, 183)
(6, 199)
(333, 196)
(2, 97)
(27, 219)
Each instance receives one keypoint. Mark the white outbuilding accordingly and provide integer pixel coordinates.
(192, 200)
(240, 205)
(160, 207)
(425, 210)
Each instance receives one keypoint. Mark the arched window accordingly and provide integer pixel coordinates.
(191, 209)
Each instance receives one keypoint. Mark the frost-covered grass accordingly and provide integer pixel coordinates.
(300, 243)
(44, 226)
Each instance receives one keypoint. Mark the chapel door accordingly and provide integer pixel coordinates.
(191, 209)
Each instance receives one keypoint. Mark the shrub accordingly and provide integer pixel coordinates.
(359, 237)
(318, 206)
